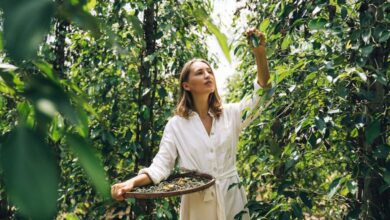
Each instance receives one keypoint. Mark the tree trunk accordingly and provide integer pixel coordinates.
(145, 97)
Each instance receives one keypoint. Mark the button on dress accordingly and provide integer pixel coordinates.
(187, 142)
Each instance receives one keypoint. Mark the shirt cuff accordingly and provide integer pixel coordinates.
(256, 85)
(151, 175)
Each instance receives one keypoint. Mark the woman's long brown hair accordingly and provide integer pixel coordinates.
(186, 104)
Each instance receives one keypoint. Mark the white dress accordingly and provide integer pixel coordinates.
(187, 141)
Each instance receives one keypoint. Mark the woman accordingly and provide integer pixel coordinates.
(203, 136)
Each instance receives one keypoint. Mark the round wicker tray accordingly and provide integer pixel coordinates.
(210, 182)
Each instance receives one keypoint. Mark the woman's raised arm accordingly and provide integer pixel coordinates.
(261, 59)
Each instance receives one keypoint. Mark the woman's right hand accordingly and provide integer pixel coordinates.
(118, 190)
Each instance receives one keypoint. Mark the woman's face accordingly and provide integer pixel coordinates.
(201, 79)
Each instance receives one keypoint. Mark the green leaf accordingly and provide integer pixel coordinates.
(255, 41)
(289, 164)
(1, 41)
(284, 215)
(162, 92)
(57, 128)
(82, 122)
(366, 19)
(264, 24)
(310, 77)
(25, 25)
(71, 216)
(145, 112)
(90, 162)
(30, 173)
(81, 18)
(4, 88)
(10, 83)
(305, 199)
(90, 4)
(46, 68)
(26, 114)
(367, 50)
(381, 151)
(286, 42)
(386, 177)
(366, 34)
(344, 12)
(320, 124)
(297, 210)
(136, 24)
(49, 98)
(317, 24)
(372, 131)
(281, 73)
(384, 36)
(274, 147)
(202, 18)
(221, 38)
(313, 140)
(362, 75)
(252, 159)
(333, 187)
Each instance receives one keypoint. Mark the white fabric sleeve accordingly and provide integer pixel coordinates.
(164, 161)
(250, 107)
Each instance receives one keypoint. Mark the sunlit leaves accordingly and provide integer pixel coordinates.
(26, 114)
(30, 173)
(89, 5)
(10, 82)
(57, 128)
(286, 42)
(264, 25)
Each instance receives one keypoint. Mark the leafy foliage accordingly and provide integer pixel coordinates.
(84, 94)
(313, 152)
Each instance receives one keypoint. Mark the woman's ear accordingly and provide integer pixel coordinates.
(186, 86)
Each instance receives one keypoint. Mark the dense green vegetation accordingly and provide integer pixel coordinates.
(87, 87)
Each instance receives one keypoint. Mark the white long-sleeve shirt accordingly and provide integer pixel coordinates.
(188, 141)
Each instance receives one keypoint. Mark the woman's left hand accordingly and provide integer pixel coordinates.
(119, 190)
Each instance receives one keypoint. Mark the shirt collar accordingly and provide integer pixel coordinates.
(194, 113)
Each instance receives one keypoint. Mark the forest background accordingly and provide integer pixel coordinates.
(87, 86)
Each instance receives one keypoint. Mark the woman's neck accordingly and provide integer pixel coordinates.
(201, 105)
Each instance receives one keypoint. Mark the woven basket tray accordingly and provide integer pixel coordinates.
(210, 180)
